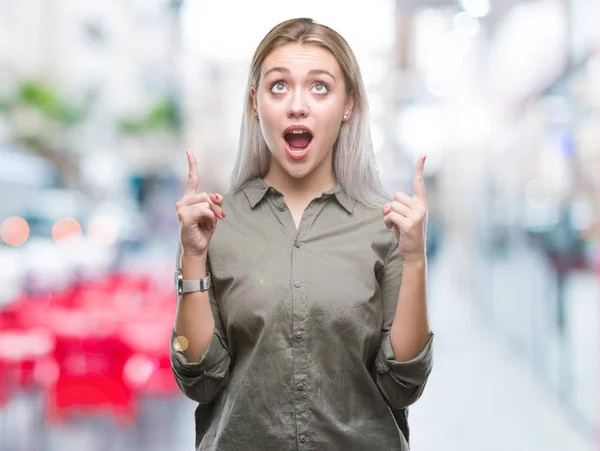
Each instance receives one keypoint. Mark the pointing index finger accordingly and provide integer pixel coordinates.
(419, 184)
(193, 175)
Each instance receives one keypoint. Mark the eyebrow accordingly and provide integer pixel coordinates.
(311, 72)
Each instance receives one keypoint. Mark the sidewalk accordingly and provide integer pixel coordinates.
(481, 397)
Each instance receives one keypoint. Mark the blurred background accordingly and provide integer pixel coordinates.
(99, 100)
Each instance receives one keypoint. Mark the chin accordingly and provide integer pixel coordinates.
(297, 172)
(296, 168)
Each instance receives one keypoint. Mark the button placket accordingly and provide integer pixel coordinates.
(300, 298)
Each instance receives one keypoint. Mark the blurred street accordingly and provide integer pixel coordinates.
(482, 394)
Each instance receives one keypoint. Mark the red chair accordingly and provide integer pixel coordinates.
(90, 359)
(24, 342)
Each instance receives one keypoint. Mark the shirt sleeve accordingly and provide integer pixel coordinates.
(202, 381)
(401, 383)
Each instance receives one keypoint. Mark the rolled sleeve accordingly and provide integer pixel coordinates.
(201, 381)
(402, 383)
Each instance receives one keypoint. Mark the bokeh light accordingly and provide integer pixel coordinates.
(66, 230)
(102, 230)
(138, 369)
(14, 231)
(476, 8)
(180, 343)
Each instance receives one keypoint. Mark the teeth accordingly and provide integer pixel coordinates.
(298, 132)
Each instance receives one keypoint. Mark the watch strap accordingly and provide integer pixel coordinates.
(190, 286)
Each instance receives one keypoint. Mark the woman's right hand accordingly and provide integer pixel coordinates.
(198, 214)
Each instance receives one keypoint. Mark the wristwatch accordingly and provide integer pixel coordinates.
(190, 286)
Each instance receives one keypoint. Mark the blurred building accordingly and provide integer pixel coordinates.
(114, 64)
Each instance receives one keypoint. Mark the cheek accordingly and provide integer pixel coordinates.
(329, 111)
(329, 125)
(269, 125)
(269, 118)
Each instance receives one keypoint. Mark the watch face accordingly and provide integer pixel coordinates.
(178, 282)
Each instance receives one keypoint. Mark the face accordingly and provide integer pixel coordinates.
(301, 101)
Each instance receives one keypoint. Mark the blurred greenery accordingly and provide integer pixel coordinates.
(46, 99)
(4, 106)
(48, 102)
(47, 138)
(164, 115)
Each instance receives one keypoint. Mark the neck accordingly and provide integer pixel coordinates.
(308, 187)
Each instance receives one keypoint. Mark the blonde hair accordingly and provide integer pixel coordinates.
(353, 158)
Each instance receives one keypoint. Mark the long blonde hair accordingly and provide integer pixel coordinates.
(354, 162)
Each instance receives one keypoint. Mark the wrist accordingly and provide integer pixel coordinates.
(416, 262)
(193, 266)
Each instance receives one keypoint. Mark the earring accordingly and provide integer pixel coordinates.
(345, 117)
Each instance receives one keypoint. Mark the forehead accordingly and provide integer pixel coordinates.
(301, 58)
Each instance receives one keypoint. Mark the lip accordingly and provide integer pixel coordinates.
(296, 155)
(298, 127)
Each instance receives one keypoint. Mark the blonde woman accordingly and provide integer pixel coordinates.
(293, 329)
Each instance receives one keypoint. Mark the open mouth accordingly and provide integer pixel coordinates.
(298, 139)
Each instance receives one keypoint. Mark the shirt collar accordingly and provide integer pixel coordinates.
(257, 188)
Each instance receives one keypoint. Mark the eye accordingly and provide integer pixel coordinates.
(320, 88)
(278, 87)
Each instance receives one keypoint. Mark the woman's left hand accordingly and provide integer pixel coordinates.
(408, 216)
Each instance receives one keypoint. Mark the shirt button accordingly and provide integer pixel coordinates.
(299, 334)
(280, 207)
(297, 284)
(300, 386)
(297, 244)
(303, 438)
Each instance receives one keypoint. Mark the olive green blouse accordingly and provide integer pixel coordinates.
(301, 357)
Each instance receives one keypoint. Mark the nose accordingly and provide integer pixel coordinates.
(298, 106)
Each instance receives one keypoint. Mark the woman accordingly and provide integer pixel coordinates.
(296, 332)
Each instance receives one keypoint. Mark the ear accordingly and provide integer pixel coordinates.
(253, 96)
(349, 104)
